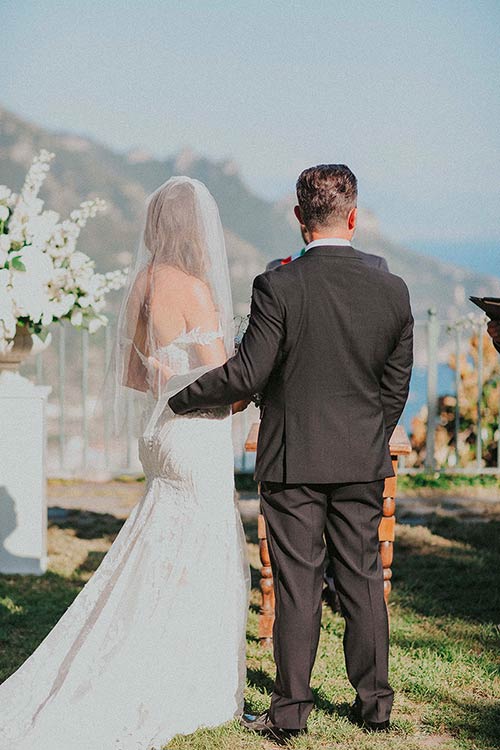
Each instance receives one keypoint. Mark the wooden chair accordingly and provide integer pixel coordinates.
(399, 446)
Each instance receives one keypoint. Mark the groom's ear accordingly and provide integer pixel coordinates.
(351, 219)
(298, 215)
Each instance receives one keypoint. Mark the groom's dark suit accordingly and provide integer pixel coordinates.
(329, 345)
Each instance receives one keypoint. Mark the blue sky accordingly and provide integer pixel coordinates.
(406, 93)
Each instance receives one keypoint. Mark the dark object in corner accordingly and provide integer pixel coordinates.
(490, 305)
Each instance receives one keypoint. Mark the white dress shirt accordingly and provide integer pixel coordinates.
(329, 241)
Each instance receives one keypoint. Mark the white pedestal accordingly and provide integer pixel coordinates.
(23, 505)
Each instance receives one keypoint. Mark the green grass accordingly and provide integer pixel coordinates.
(452, 482)
(415, 483)
(445, 638)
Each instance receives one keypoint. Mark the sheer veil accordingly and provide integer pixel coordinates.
(179, 284)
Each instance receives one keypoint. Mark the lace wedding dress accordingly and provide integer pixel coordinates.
(154, 645)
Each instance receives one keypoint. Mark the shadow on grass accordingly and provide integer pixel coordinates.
(29, 608)
(458, 577)
(484, 536)
(251, 532)
(261, 680)
(332, 709)
(92, 561)
(255, 577)
(479, 722)
(89, 525)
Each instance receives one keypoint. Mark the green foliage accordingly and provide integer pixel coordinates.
(17, 263)
(441, 481)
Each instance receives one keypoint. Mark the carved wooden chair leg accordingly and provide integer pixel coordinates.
(386, 531)
(266, 615)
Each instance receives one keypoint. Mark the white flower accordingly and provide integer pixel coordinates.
(78, 260)
(6, 336)
(57, 281)
(16, 233)
(4, 280)
(76, 317)
(36, 175)
(5, 193)
(60, 279)
(38, 344)
(4, 249)
(61, 307)
(41, 227)
(29, 287)
(4, 243)
(7, 317)
(116, 279)
(95, 324)
(85, 301)
(99, 305)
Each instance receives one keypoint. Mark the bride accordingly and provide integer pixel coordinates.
(154, 645)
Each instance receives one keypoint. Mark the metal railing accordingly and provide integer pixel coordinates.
(441, 340)
(80, 435)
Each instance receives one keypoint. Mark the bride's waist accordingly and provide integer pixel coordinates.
(187, 446)
(216, 414)
(194, 423)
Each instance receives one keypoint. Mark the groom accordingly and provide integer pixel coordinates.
(329, 345)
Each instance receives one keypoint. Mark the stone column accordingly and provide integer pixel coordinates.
(23, 504)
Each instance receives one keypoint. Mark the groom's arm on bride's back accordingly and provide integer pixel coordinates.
(395, 381)
(248, 371)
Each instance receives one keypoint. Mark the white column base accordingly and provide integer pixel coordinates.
(23, 504)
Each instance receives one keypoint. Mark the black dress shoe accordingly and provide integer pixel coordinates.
(370, 726)
(331, 599)
(264, 726)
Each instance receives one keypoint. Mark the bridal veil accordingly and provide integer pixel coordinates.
(180, 263)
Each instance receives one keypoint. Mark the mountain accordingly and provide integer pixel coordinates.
(256, 229)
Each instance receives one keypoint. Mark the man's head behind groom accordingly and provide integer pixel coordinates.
(327, 198)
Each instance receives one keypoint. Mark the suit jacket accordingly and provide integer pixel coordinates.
(373, 260)
(329, 344)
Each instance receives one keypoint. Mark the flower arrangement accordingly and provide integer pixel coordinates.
(43, 278)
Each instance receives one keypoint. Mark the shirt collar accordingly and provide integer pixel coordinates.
(329, 241)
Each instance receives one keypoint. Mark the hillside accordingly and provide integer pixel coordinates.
(256, 229)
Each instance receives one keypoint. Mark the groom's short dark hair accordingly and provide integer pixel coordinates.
(326, 194)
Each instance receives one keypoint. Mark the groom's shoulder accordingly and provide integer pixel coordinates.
(281, 277)
(279, 274)
(393, 286)
(387, 279)
(372, 260)
(388, 283)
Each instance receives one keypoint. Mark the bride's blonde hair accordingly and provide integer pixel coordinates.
(172, 233)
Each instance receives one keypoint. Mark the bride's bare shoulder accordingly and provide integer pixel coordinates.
(191, 287)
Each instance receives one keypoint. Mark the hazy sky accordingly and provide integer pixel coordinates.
(406, 93)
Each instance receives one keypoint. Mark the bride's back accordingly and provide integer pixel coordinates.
(178, 265)
(178, 302)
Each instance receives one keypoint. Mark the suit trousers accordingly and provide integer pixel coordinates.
(299, 520)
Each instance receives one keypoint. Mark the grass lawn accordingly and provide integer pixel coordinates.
(445, 638)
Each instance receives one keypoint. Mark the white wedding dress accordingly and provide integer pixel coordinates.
(154, 645)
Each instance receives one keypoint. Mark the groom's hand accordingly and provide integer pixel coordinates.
(240, 406)
(161, 372)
